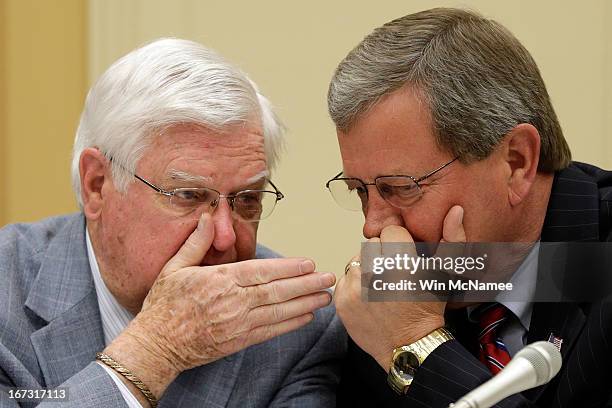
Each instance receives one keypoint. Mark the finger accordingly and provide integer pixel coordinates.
(453, 230)
(370, 250)
(396, 240)
(358, 278)
(192, 252)
(339, 288)
(354, 267)
(281, 290)
(376, 246)
(261, 271)
(395, 233)
(354, 282)
(270, 314)
(264, 333)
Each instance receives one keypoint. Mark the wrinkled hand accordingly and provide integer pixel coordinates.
(195, 315)
(379, 327)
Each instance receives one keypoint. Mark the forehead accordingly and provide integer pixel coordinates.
(236, 153)
(394, 137)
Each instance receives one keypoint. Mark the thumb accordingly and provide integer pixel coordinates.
(195, 247)
(452, 230)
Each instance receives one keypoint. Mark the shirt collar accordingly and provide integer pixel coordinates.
(523, 288)
(115, 317)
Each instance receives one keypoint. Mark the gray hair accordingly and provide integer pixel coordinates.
(165, 83)
(478, 81)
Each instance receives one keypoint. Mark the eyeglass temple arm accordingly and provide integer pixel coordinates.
(431, 173)
(153, 186)
(279, 195)
(333, 178)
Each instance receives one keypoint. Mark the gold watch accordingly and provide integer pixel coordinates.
(407, 359)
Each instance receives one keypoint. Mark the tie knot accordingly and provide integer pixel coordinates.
(490, 317)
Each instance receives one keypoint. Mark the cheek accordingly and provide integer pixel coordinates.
(424, 226)
(158, 242)
(246, 240)
(169, 237)
(485, 214)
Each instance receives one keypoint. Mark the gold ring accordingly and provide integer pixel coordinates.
(350, 265)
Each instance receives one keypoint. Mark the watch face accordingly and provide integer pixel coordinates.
(406, 364)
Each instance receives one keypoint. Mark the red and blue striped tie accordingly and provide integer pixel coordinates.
(493, 352)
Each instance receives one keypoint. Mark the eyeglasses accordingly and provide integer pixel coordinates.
(248, 205)
(398, 190)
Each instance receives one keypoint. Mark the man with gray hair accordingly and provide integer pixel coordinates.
(156, 292)
(447, 134)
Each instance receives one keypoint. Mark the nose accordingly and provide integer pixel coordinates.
(378, 215)
(223, 220)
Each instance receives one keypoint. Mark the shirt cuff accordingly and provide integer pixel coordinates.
(129, 398)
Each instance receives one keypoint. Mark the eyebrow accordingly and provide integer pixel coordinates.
(183, 176)
(259, 177)
(194, 178)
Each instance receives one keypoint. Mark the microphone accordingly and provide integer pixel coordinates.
(534, 365)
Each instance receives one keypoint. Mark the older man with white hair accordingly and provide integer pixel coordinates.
(156, 292)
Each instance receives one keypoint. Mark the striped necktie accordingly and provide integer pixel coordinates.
(493, 352)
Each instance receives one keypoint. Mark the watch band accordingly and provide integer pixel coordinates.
(426, 345)
(413, 355)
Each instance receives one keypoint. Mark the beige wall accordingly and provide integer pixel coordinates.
(43, 83)
(291, 49)
(3, 129)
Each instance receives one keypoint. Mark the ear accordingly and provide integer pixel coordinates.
(94, 170)
(522, 155)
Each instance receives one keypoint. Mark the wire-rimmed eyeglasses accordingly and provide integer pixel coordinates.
(249, 205)
(400, 191)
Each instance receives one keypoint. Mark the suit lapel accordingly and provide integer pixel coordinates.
(69, 343)
(63, 295)
(563, 320)
(573, 215)
(573, 208)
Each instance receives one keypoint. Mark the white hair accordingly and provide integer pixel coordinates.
(165, 83)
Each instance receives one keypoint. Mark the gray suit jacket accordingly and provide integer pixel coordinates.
(50, 330)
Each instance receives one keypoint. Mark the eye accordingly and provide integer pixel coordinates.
(361, 190)
(190, 195)
(407, 189)
(250, 204)
(183, 195)
(250, 198)
(385, 189)
(356, 187)
(362, 193)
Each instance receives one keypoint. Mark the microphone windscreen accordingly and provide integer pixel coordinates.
(544, 357)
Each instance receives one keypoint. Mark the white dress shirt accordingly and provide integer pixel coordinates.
(115, 319)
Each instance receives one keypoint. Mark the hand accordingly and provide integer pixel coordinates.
(195, 315)
(379, 327)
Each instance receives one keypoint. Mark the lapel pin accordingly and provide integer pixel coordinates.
(557, 341)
